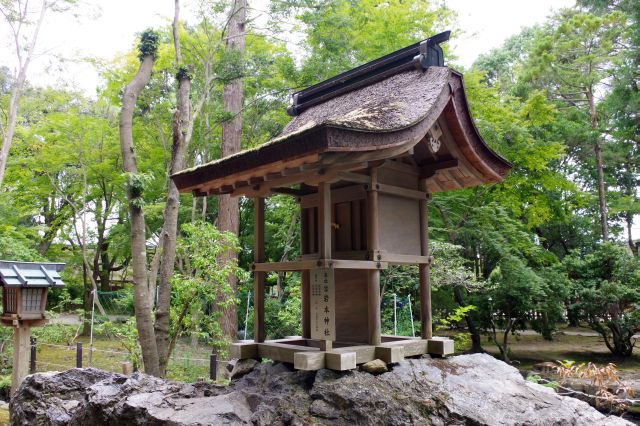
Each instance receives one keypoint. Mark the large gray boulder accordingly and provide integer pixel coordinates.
(467, 389)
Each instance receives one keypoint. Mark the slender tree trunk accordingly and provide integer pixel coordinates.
(632, 246)
(142, 301)
(180, 124)
(602, 201)
(631, 192)
(232, 99)
(86, 302)
(505, 340)
(16, 90)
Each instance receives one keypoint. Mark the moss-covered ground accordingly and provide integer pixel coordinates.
(188, 363)
(530, 349)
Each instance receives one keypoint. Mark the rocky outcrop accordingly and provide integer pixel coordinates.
(467, 389)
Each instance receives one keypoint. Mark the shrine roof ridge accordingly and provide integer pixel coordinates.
(420, 55)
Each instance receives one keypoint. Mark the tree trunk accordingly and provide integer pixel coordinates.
(105, 263)
(630, 192)
(232, 98)
(632, 246)
(505, 341)
(602, 202)
(16, 90)
(142, 300)
(86, 302)
(180, 125)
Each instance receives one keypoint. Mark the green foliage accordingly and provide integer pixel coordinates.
(546, 383)
(57, 334)
(184, 73)
(204, 282)
(136, 183)
(342, 34)
(282, 314)
(453, 320)
(119, 302)
(5, 384)
(6, 350)
(455, 317)
(148, 45)
(606, 293)
(15, 245)
(64, 301)
(127, 336)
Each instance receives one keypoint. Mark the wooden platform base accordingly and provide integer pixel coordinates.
(305, 354)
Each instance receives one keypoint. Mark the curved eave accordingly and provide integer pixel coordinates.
(491, 164)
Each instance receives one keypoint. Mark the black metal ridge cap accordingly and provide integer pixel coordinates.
(420, 55)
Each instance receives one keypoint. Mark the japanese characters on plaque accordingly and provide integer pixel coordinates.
(323, 303)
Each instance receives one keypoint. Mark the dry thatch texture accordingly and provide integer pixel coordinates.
(391, 104)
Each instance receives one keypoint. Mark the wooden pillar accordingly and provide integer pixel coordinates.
(304, 276)
(373, 276)
(324, 220)
(21, 355)
(426, 330)
(258, 277)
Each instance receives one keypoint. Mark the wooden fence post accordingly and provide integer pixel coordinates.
(32, 360)
(213, 367)
(79, 355)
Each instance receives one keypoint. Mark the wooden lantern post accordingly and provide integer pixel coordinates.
(25, 286)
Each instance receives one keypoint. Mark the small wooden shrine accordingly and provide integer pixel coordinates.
(25, 286)
(362, 156)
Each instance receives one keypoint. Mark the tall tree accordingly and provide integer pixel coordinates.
(181, 128)
(232, 100)
(621, 105)
(135, 187)
(572, 58)
(17, 14)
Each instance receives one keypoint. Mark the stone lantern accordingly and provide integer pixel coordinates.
(25, 286)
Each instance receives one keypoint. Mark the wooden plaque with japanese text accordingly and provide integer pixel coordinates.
(323, 303)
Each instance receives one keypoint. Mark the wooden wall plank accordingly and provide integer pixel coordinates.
(352, 324)
(399, 225)
(343, 223)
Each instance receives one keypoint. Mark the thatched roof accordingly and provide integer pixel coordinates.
(391, 116)
(395, 103)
